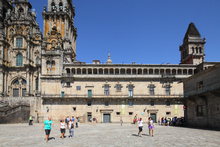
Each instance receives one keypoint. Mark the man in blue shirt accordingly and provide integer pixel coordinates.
(47, 128)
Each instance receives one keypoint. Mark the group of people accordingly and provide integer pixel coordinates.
(150, 126)
(164, 121)
(67, 123)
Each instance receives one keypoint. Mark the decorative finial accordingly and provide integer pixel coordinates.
(109, 61)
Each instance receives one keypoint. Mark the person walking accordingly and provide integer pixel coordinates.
(77, 121)
(71, 128)
(140, 126)
(47, 127)
(30, 120)
(151, 126)
(62, 128)
(121, 121)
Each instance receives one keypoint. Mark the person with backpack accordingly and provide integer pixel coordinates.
(71, 128)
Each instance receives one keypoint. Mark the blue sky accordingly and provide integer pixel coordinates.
(141, 31)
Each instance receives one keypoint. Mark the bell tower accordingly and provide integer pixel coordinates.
(59, 45)
(192, 49)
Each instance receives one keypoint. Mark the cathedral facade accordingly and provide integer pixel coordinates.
(41, 70)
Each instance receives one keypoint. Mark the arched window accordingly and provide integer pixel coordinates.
(61, 6)
(19, 60)
(53, 6)
(21, 10)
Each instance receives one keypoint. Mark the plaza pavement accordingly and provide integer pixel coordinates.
(107, 135)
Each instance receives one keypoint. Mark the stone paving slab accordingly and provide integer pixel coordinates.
(107, 135)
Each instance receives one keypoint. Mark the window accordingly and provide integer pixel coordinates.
(89, 103)
(106, 89)
(118, 113)
(168, 113)
(167, 103)
(130, 113)
(130, 103)
(15, 92)
(106, 103)
(23, 91)
(200, 110)
(68, 84)
(118, 87)
(74, 108)
(130, 90)
(151, 89)
(19, 42)
(167, 88)
(152, 103)
(78, 88)
(62, 93)
(53, 6)
(61, 6)
(19, 60)
(89, 93)
(36, 84)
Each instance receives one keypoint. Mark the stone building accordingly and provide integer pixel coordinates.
(202, 93)
(41, 71)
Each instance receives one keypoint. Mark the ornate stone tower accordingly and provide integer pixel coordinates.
(192, 49)
(21, 53)
(59, 36)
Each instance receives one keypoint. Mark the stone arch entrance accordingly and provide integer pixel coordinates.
(18, 87)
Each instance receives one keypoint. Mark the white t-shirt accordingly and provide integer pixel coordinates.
(140, 123)
(70, 124)
(151, 122)
(62, 125)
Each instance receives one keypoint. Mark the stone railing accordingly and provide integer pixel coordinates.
(111, 96)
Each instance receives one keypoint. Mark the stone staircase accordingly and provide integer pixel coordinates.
(13, 113)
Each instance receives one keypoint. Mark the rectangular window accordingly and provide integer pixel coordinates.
(167, 90)
(130, 90)
(24, 92)
(130, 93)
(15, 92)
(167, 103)
(152, 103)
(130, 103)
(89, 103)
(106, 92)
(19, 42)
(68, 84)
(151, 89)
(89, 93)
(130, 113)
(62, 93)
(78, 88)
(118, 87)
(106, 103)
(168, 113)
(118, 113)
(106, 89)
